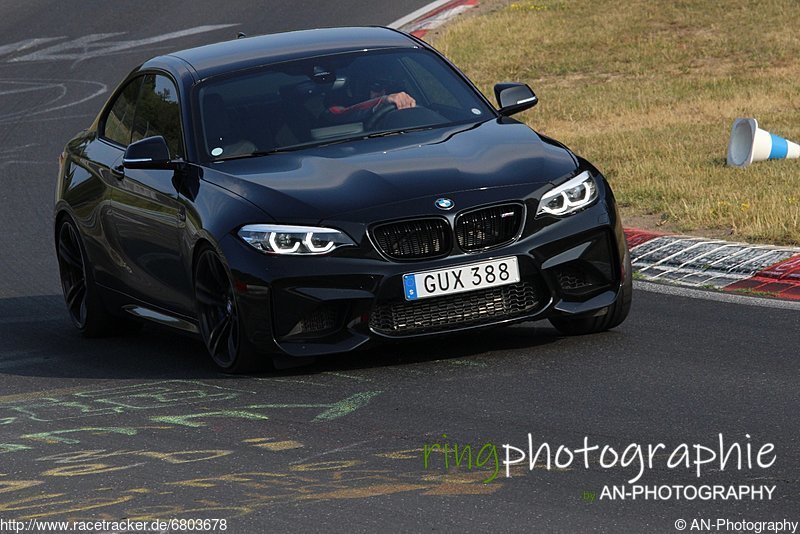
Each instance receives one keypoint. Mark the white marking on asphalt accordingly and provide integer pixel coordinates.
(675, 260)
(661, 240)
(26, 87)
(414, 15)
(87, 47)
(741, 266)
(58, 118)
(667, 258)
(707, 266)
(743, 250)
(294, 381)
(439, 19)
(690, 266)
(731, 298)
(332, 451)
(754, 261)
(15, 149)
(19, 46)
(351, 377)
(84, 44)
(100, 88)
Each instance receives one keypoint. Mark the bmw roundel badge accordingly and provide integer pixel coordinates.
(444, 203)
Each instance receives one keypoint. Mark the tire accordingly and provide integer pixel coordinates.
(616, 314)
(218, 316)
(85, 308)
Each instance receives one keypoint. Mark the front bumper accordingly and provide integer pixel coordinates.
(312, 306)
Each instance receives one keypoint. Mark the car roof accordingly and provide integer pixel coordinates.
(227, 56)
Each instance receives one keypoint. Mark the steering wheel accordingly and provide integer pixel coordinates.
(378, 116)
(412, 117)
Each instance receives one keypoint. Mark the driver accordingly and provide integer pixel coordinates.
(379, 97)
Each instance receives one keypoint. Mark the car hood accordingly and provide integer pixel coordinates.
(319, 183)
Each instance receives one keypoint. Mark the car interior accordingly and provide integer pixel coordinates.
(269, 109)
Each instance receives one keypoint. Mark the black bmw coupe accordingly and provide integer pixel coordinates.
(301, 194)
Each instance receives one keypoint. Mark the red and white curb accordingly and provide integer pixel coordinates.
(707, 263)
(432, 16)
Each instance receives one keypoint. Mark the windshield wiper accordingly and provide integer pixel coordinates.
(397, 132)
(259, 153)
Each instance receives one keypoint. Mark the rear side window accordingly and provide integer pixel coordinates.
(119, 121)
(158, 113)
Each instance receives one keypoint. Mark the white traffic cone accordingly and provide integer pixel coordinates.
(750, 143)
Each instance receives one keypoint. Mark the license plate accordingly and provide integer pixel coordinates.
(461, 278)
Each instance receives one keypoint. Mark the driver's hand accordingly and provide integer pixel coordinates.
(401, 100)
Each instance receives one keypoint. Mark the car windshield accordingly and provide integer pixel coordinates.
(332, 98)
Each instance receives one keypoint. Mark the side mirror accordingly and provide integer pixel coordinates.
(149, 153)
(514, 97)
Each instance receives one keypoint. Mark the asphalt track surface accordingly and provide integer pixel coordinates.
(143, 427)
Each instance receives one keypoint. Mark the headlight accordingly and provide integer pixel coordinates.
(295, 240)
(569, 197)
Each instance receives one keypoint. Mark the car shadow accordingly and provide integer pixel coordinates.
(494, 341)
(37, 339)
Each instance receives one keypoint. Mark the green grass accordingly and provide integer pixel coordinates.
(648, 92)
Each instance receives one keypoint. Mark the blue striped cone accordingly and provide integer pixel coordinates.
(750, 143)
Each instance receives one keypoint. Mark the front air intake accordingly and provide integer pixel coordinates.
(452, 312)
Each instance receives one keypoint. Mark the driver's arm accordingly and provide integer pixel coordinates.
(356, 111)
(362, 110)
(401, 100)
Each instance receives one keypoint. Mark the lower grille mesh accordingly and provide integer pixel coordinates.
(451, 312)
(319, 321)
(580, 278)
(572, 278)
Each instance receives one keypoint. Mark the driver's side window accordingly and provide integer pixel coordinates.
(158, 113)
(118, 124)
(147, 106)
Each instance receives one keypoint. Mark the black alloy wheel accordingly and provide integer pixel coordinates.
(218, 315)
(85, 308)
(73, 274)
